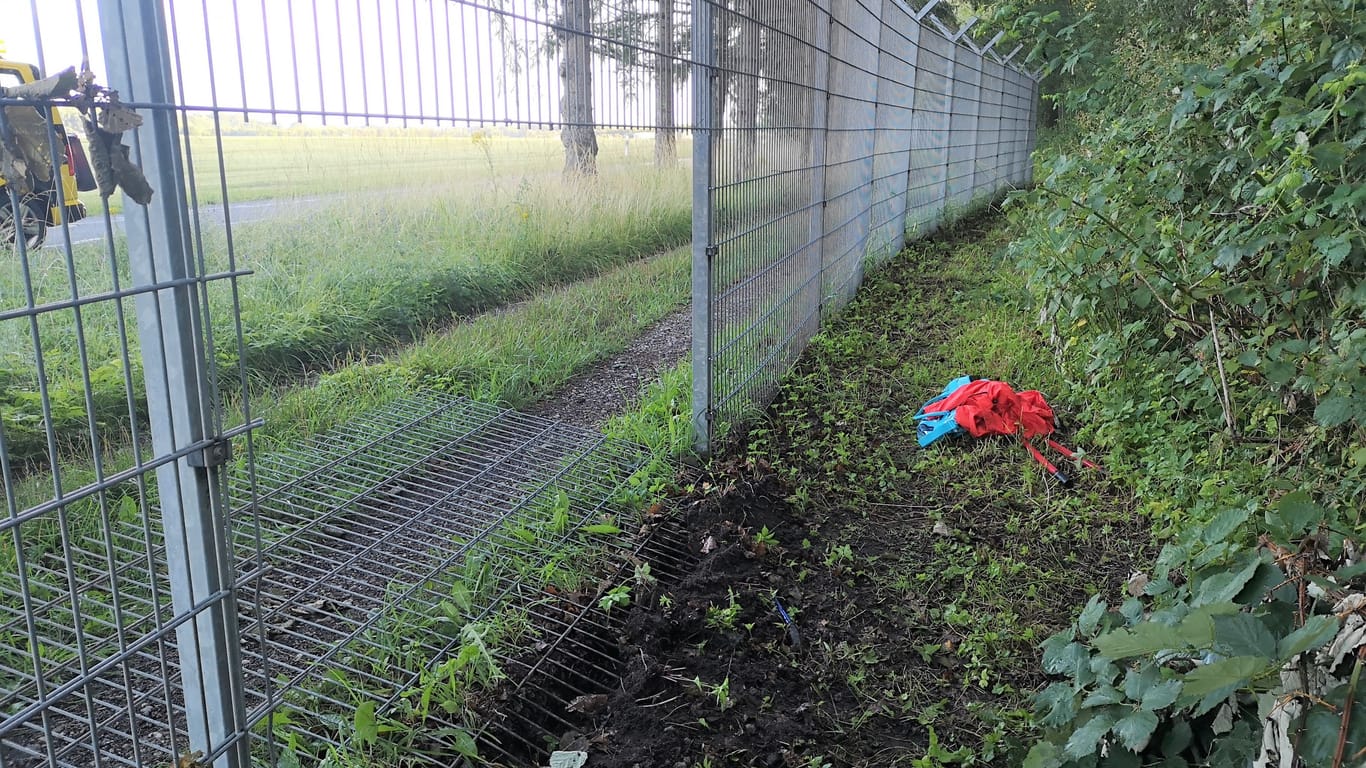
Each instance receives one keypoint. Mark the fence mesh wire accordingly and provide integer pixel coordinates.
(830, 132)
(173, 582)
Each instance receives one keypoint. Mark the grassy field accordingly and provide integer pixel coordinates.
(397, 238)
(302, 163)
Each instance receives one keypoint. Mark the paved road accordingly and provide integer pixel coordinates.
(92, 229)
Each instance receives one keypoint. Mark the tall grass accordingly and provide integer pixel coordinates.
(338, 279)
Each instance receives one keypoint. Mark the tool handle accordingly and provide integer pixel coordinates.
(1065, 451)
(1063, 479)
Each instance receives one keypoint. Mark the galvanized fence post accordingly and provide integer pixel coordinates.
(820, 114)
(180, 397)
(912, 33)
(974, 105)
(704, 128)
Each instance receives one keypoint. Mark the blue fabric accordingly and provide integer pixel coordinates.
(932, 425)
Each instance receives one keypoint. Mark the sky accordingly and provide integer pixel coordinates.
(436, 62)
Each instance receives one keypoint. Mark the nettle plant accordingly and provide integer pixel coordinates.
(1227, 656)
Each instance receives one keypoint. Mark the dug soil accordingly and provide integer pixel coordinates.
(916, 584)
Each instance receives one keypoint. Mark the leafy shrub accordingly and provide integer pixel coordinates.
(1224, 644)
(1210, 252)
(1199, 261)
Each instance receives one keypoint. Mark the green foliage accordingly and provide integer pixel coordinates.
(1199, 265)
(1187, 674)
(616, 597)
(724, 617)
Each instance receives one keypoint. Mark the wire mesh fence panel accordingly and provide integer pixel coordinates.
(759, 250)
(120, 343)
(181, 580)
(913, 123)
(930, 153)
(895, 129)
(989, 130)
(280, 188)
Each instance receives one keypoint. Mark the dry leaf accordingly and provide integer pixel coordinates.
(1137, 583)
(588, 704)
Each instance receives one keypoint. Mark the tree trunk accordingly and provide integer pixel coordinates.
(666, 140)
(576, 78)
(721, 43)
(747, 64)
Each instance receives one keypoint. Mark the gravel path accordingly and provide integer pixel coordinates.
(589, 399)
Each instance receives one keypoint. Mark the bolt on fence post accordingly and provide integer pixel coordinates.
(703, 82)
(179, 395)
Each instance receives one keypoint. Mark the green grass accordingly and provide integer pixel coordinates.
(303, 162)
(341, 279)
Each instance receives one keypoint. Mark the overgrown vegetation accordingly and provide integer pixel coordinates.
(1196, 249)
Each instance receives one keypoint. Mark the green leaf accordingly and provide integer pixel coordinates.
(1317, 631)
(1063, 658)
(1225, 585)
(1143, 640)
(1164, 694)
(605, 529)
(1091, 615)
(1056, 705)
(1045, 754)
(367, 729)
(1135, 730)
(1329, 156)
(1335, 250)
(1243, 634)
(1139, 680)
(463, 743)
(1223, 525)
(1334, 411)
(1210, 684)
(1236, 748)
(1086, 738)
(1295, 515)
(1103, 696)
(1178, 739)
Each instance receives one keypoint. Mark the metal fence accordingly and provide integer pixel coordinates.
(174, 590)
(829, 131)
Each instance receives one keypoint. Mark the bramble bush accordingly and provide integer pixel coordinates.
(1198, 259)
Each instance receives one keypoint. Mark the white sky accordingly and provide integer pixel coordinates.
(423, 58)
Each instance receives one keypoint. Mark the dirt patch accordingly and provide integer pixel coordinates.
(919, 583)
(612, 386)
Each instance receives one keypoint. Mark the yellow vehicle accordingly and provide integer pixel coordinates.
(52, 201)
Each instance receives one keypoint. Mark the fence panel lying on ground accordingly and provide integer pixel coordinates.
(829, 132)
(422, 581)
